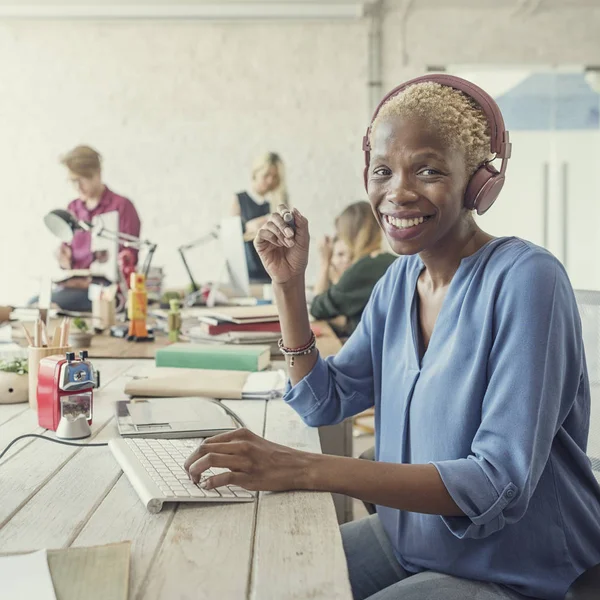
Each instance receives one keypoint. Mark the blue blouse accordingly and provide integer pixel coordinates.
(499, 404)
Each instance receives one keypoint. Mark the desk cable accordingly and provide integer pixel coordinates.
(230, 412)
(43, 437)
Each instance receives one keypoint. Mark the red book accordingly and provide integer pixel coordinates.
(272, 326)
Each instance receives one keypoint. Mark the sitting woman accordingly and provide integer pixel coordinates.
(94, 198)
(254, 206)
(358, 230)
(341, 258)
(471, 352)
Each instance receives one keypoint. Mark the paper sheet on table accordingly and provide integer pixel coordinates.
(26, 576)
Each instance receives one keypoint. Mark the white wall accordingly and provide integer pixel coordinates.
(179, 109)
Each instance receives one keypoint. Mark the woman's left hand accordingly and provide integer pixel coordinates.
(254, 463)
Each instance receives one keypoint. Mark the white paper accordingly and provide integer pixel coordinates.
(265, 384)
(26, 577)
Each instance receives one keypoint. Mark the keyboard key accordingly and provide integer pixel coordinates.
(212, 493)
(226, 492)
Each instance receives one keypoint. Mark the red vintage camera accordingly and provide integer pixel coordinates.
(64, 389)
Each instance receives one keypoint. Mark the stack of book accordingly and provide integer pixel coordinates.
(154, 283)
(238, 325)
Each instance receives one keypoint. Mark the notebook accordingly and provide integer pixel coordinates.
(230, 357)
(151, 381)
(229, 385)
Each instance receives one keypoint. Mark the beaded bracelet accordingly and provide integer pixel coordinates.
(302, 351)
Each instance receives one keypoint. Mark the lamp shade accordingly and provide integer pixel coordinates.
(62, 224)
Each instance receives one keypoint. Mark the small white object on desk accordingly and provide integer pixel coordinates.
(25, 576)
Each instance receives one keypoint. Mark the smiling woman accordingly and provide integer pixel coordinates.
(470, 349)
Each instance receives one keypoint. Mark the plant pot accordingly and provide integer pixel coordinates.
(80, 339)
(14, 388)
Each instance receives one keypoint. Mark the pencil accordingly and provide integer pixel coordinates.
(56, 338)
(29, 340)
(37, 335)
(67, 327)
(62, 331)
(44, 335)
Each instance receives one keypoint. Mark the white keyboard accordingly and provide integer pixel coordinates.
(155, 469)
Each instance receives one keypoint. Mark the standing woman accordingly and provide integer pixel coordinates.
(267, 190)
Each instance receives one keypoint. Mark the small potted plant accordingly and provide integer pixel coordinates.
(80, 335)
(14, 383)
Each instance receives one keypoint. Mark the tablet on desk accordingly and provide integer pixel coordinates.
(192, 417)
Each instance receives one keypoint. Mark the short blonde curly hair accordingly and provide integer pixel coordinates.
(455, 116)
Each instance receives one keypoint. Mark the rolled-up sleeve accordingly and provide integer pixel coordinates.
(534, 371)
(342, 385)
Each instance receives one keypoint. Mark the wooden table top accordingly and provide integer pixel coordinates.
(285, 545)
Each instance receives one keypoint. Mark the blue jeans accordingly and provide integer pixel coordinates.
(376, 574)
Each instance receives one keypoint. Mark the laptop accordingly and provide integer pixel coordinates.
(186, 417)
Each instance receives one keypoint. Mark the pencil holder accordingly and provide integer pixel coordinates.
(34, 356)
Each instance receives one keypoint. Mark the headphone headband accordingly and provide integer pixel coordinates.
(499, 139)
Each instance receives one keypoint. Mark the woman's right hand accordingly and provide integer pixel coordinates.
(326, 250)
(283, 251)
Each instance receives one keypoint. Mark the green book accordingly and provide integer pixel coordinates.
(229, 357)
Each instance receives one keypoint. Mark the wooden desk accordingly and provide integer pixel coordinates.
(286, 545)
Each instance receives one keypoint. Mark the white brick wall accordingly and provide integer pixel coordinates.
(179, 109)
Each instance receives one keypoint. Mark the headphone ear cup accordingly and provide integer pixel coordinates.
(366, 178)
(483, 188)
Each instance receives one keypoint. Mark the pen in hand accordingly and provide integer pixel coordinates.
(288, 217)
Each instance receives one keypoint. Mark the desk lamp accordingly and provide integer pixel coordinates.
(63, 225)
(207, 237)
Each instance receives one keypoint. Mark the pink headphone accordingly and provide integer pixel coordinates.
(485, 184)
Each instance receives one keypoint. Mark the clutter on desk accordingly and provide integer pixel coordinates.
(154, 283)
(150, 381)
(209, 327)
(174, 320)
(262, 313)
(42, 345)
(190, 417)
(65, 391)
(79, 335)
(137, 310)
(104, 304)
(197, 335)
(9, 350)
(212, 356)
(14, 381)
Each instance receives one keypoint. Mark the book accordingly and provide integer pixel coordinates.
(149, 381)
(264, 313)
(235, 357)
(228, 327)
(197, 336)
